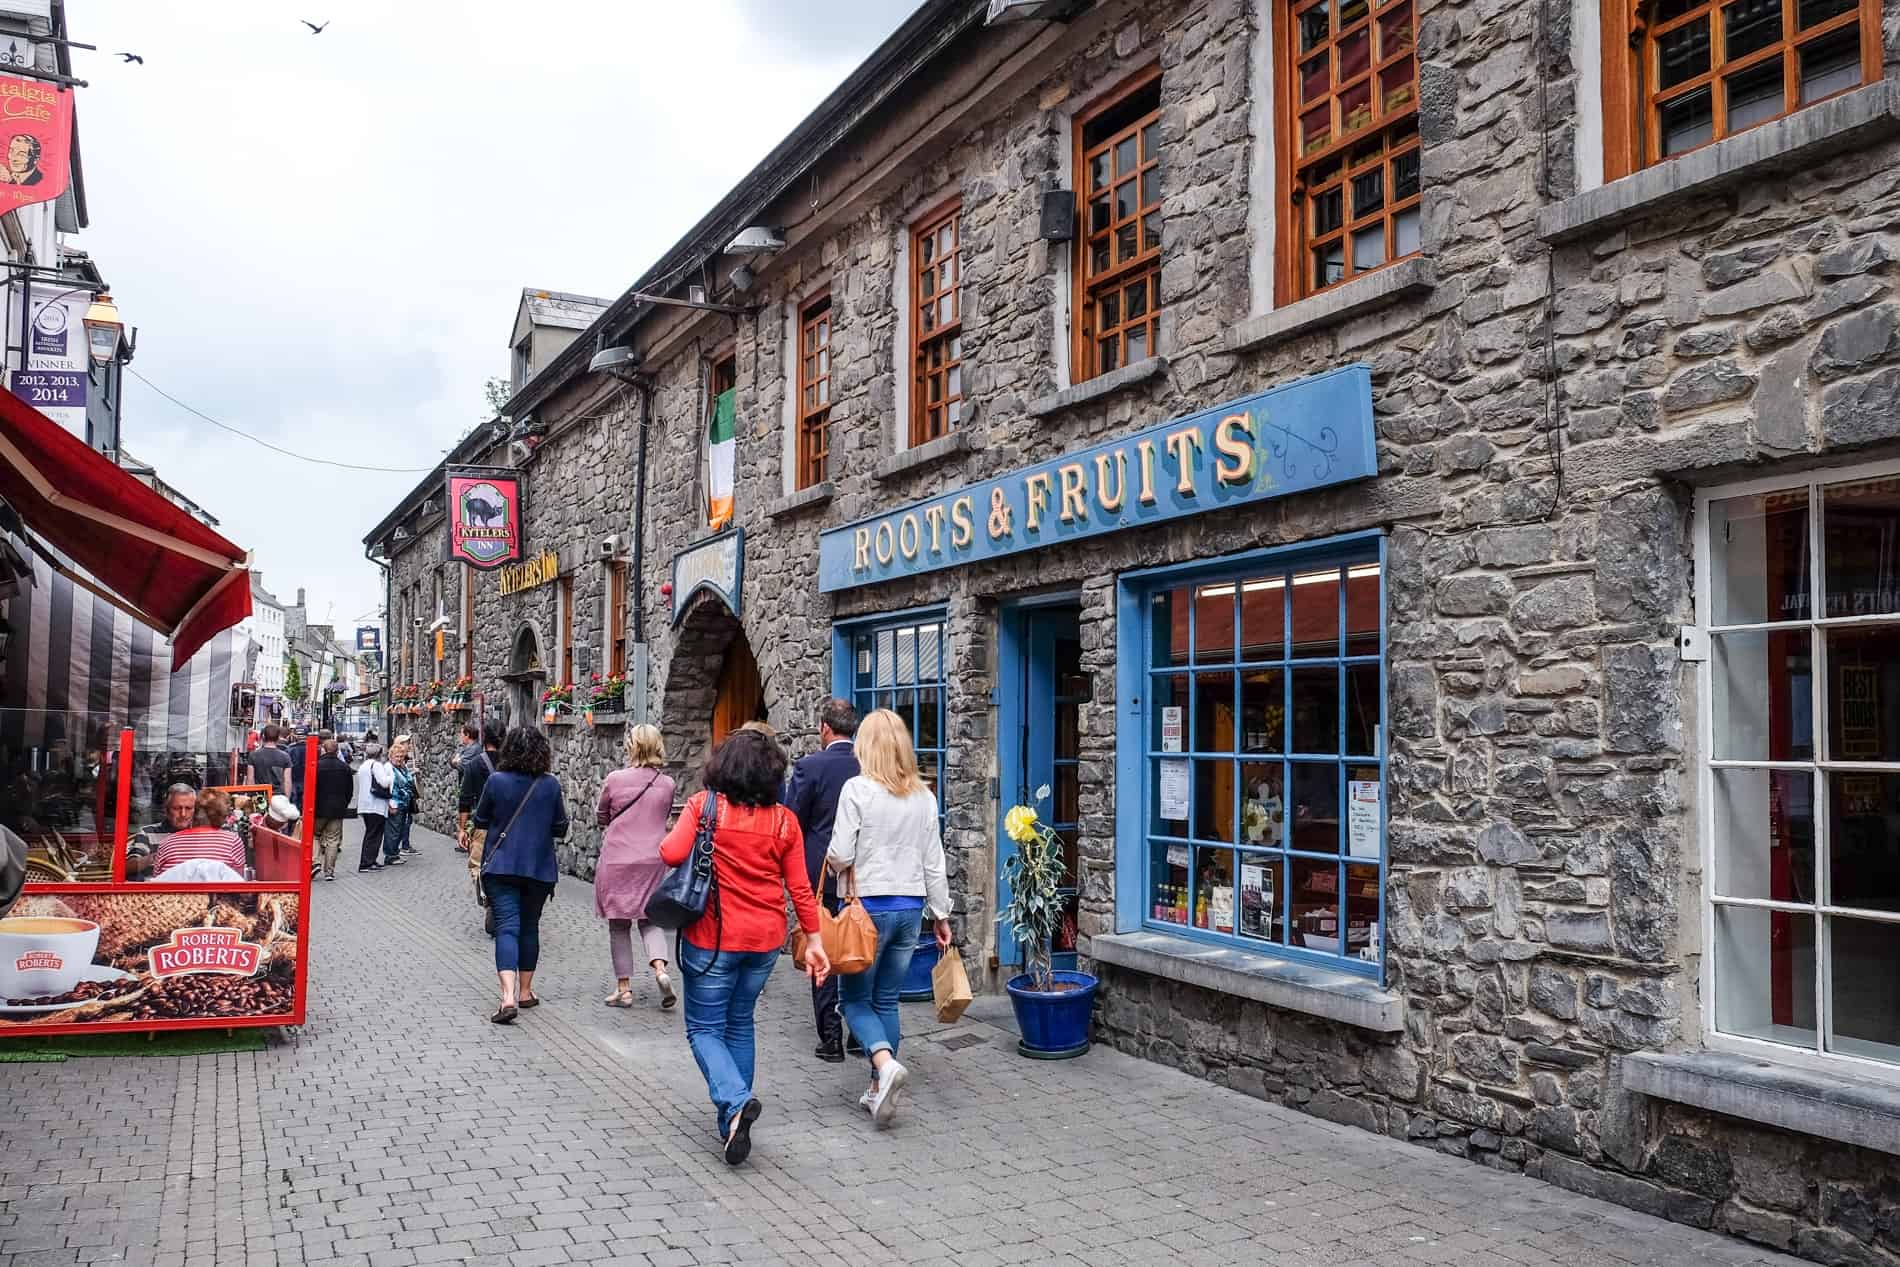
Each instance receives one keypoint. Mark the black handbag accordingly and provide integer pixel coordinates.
(684, 895)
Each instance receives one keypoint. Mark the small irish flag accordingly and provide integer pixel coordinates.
(719, 450)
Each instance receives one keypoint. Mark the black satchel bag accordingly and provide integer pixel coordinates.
(684, 895)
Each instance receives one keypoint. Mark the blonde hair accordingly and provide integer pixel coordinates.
(646, 747)
(884, 754)
(763, 727)
(401, 743)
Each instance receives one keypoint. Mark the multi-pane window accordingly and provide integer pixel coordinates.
(1700, 70)
(937, 325)
(566, 588)
(1265, 756)
(1118, 276)
(902, 667)
(617, 617)
(814, 391)
(1349, 76)
(1802, 781)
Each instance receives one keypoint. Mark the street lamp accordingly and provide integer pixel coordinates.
(103, 329)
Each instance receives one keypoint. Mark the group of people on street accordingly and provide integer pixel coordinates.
(855, 819)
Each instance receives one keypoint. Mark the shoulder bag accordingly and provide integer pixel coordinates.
(850, 936)
(615, 816)
(493, 847)
(689, 888)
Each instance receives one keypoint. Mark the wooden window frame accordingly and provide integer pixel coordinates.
(1393, 128)
(565, 585)
(1143, 266)
(812, 449)
(1632, 123)
(617, 616)
(931, 419)
(468, 621)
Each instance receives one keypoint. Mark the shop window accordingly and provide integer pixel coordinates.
(1349, 130)
(814, 391)
(901, 665)
(936, 325)
(1695, 71)
(1118, 271)
(617, 617)
(566, 614)
(1802, 776)
(1262, 753)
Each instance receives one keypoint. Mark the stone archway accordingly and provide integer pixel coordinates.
(711, 679)
(521, 704)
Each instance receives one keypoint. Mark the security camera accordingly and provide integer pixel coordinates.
(742, 279)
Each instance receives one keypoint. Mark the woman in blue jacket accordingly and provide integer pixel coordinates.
(523, 813)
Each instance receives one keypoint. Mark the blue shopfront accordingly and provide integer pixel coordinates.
(1246, 769)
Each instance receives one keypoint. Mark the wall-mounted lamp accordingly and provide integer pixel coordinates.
(756, 240)
(104, 329)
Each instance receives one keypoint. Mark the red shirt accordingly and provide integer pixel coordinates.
(200, 842)
(758, 854)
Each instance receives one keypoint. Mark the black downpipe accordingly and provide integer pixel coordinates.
(640, 521)
(382, 653)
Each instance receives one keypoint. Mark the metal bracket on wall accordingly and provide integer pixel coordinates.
(1693, 644)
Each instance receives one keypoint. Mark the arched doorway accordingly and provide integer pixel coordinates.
(521, 705)
(713, 686)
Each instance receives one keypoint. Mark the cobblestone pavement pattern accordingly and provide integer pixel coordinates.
(399, 1127)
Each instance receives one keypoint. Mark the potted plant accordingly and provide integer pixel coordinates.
(607, 696)
(434, 694)
(462, 693)
(1052, 1008)
(557, 702)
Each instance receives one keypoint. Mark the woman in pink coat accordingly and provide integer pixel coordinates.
(635, 804)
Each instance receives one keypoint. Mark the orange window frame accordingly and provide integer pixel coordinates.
(936, 323)
(617, 616)
(1118, 249)
(1639, 36)
(567, 631)
(814, 391)
(1347, 140)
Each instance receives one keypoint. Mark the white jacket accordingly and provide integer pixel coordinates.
(367, 775)
(893, 842)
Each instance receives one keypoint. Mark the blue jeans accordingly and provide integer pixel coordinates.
(869, 998)
(396, 834)
(517, 906)
(721, 991)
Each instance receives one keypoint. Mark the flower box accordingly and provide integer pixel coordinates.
(595, 717)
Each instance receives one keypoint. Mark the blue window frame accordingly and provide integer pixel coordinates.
(899, 662)
(1253, 736)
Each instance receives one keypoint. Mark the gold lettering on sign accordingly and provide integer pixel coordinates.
(861, 549)
(529, 573)
(934, 514)
(999, 514)
(1185, 446)
(1228, 438)
(962, 523)
(909, 533)
(1036, 489)
(1147, 450)
(1075, 498)
(883, 542)
(1110, 502)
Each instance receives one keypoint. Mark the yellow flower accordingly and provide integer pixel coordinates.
(1020, 823)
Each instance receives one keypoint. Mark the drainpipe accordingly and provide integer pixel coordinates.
(640, 517)
(383, 674)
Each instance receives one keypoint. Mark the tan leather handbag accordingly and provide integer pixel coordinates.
(850, 936)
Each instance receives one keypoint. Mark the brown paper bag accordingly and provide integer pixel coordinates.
(950, 986)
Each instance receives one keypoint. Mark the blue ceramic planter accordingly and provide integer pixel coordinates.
(1054, 1026)
(923, 961)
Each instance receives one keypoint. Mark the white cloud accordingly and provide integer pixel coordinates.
(321, 238)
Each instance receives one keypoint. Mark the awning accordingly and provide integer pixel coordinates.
(141, 552)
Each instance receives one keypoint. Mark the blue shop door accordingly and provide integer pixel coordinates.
(1042, 746)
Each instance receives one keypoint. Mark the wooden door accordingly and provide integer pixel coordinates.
(740, 691)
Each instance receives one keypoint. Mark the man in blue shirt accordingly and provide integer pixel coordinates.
(812, 796)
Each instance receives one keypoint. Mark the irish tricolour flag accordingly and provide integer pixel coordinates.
(719, 466)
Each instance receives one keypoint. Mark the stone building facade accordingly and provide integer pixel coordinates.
(1576, 928)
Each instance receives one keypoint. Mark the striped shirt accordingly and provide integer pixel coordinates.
(214, 843)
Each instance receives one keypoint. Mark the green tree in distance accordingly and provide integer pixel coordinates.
(293, 680)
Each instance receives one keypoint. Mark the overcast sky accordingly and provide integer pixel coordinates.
(322, 238)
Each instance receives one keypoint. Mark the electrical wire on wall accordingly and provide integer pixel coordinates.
(1553, 375)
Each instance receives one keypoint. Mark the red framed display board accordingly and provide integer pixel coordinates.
(137, 952)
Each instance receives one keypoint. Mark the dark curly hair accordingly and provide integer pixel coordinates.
(526, 751)
(747, 769)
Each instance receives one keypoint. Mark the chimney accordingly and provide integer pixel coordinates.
(300, 596)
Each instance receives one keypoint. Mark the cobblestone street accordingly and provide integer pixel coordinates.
(400, 1127)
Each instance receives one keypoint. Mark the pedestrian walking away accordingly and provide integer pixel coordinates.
(812, 796)
(269, 763)
(634, 806)
(888, 838)
(475, 772)
(402, 801)
(523, 812)
(335, 780)
(375, 784)
(727, 955)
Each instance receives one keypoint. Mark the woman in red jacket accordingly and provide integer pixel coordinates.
(729, 953)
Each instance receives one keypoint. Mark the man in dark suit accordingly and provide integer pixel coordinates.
(812, 796)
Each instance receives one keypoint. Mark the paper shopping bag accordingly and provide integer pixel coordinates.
(950, 986)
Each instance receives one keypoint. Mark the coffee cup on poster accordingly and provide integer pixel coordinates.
(44, 956)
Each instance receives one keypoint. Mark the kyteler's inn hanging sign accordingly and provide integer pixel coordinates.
(1302, 435)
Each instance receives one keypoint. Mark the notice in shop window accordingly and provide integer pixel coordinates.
(1362, 818)
(1173, 793)
(1171, 728)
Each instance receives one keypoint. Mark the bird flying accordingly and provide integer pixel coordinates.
(130, 58)
(314, 28)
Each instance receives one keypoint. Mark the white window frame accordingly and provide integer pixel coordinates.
(1815, 1058)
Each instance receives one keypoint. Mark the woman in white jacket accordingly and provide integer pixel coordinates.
(375, 781)
(887, 837)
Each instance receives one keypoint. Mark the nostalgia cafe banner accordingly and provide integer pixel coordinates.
(1302, 435)
(484, 517)
(36, 126)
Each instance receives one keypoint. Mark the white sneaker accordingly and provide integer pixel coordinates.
(890, 1080)
(867, 1101)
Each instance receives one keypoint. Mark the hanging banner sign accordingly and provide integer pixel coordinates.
(716, 564)
(36, 125)
(1306, 434)
(51, 389)
(484, 518)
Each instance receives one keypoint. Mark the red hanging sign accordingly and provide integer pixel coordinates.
(36, 129)
(484, 518)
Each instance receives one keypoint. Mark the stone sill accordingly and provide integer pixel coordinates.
(610, 719)
(1836, 1105)
(1844, 122)
(563, 721)
(803, 499)
(1382, 288)
(1281, 983)
(1099, 386)
(924, 455)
